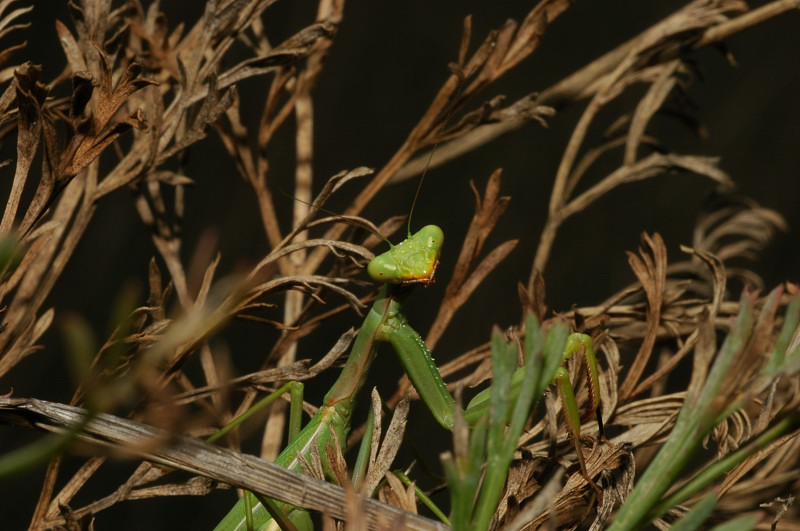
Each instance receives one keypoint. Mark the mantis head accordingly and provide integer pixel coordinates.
(411, 261)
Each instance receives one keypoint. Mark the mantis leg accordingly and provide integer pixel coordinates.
(325, 427)
(249, 501)
(581, 343)
(385, 322)
(576, 344)
(417, 361)
(573, 421)
(331, 423)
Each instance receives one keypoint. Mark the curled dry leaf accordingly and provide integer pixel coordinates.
(382, 455)
(672, 314)
(395, 493)
(651, 270)
(467, 275)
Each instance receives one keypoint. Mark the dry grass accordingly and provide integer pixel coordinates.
(143, 93)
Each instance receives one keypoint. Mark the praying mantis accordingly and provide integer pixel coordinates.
(411, 262)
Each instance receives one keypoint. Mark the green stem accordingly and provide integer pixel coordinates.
(724, 465)
(426, 501)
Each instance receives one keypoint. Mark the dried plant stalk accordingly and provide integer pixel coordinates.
(136, 94)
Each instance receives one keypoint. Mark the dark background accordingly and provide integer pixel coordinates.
(387, 62)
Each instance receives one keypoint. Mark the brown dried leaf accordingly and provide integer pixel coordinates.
(395, 493)
(72, 49)
(648, 106)
(299, 370)
(521, 485)
(532, 30)
(736, 227)
(465, 279)
(291, 51)
(651, 419)
(381, 462)
(91, 139)
(339, 248)
(331, 186)
(337, 466)
(653, 165)
(300, 283)
(198, 486)
(5, 22)
(667, 367)
(535, 510)
(570, 504)
(200, 458)
(72, 487)
(534, 302)
(31, 95)
(24, 345)
(208, 279)
(355, 512)
(651, 270)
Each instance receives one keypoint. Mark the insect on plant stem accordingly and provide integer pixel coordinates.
(412, 261)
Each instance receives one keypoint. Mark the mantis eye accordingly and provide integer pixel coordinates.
(383, 269)
(431, 237)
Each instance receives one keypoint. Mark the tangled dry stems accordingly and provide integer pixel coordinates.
(144, 92)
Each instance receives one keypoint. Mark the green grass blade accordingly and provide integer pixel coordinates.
(746, 522)
(252, 410)
(421, 496)
(362, 460)
(507, 423)
(724, 465)
(697, 515)
(35, 454)
(504, 356)
(701, 411)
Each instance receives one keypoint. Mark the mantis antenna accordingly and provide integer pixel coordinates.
(414, 260)
(456, 71)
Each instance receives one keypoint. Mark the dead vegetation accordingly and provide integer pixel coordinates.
(144, 92)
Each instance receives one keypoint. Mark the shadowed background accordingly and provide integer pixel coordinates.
(386, 64)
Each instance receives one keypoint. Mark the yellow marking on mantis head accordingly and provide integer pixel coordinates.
(413, 260)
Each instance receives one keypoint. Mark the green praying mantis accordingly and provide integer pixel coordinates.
(411, 262)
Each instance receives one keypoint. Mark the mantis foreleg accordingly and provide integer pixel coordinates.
(580, 344)
(384, 322)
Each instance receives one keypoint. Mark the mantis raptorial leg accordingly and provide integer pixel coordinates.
(577, 344)
(385, 322)
(411, 262)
